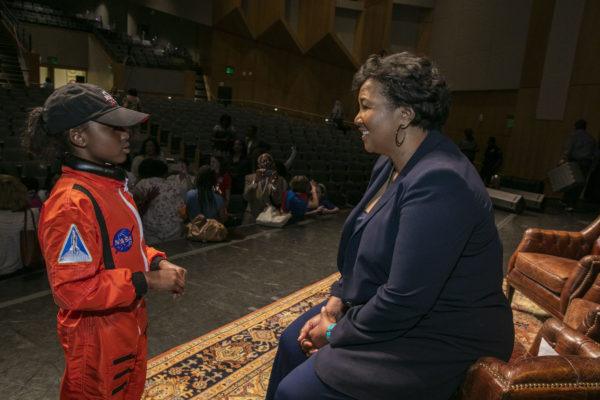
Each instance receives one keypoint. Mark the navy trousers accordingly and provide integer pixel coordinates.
(293, 375)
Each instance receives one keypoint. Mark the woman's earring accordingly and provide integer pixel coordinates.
(399, 143)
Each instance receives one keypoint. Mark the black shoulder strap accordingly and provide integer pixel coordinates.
(106, 252)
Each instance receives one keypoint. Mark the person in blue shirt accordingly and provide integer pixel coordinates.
(301, 197)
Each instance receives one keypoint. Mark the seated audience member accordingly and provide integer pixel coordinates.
(222, 136)
(301, 197)
(223, 178)
(33, 186)
(204, 199)
(254, 146)
(132, 101)
(263, 188)
(158, 202)
(239, 167)
(149, 149)
(14, 202)
(48, 85)
(327, 207)
(180, 176)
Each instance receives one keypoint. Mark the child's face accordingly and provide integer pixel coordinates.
(105, 143)
(319, 193)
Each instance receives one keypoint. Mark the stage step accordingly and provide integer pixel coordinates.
(507, 201)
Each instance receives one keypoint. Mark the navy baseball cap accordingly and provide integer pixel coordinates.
(76, 103)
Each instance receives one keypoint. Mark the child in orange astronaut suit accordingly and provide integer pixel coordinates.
(91, 235)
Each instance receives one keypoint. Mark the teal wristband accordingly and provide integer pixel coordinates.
(329, 328)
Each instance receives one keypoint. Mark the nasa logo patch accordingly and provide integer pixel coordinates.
(123, 240)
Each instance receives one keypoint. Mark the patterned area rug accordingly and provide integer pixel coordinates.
(234, 361)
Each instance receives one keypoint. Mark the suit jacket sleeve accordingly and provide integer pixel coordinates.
(434, 226)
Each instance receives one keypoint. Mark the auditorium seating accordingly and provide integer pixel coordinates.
(324, 154)
(562, 363)
(184, 128)
(554, 267)
(124, 48)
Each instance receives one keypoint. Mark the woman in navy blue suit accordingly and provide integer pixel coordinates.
(420, 298)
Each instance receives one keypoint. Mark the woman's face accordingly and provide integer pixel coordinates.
(265, 161)
(105, 143)
(377, 119)
(237, 146)
(214, 164)
(150, 148)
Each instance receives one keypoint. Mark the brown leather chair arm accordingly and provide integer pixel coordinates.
(580, 314)
(532, 378)
(567, 341)
(580, 280)
(556, 243)
(592, 231)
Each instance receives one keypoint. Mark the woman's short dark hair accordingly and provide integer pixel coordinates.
(152, 168)
(581, 124)
(409, 81)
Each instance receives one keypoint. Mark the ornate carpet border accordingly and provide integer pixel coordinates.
(180, 353)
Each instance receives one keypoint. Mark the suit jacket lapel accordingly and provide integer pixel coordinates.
(389, 193)
(350, 226)
(432, 140)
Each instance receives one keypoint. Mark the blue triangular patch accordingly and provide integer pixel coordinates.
(74, 249)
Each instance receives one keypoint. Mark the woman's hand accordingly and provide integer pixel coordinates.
(258, 175)
(274, 177)
(305, 342)
(313, 333)
(318, 335)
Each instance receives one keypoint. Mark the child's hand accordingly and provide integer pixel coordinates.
(168, 277)
(164, 264)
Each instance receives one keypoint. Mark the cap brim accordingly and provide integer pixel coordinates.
(122, 116)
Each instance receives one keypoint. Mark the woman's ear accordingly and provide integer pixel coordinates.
(404, 116)
(77, 137)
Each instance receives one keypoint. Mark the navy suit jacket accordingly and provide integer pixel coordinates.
(423, 273)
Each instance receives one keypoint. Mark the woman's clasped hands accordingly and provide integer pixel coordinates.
(313, 334)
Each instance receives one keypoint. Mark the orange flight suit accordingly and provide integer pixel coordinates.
(96, 277)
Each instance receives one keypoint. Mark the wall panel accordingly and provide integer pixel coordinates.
(279, 77)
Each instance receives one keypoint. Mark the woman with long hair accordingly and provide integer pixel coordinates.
(204, 199)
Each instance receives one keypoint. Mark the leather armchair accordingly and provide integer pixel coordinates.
(554, 267)
(574, 373)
